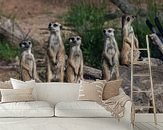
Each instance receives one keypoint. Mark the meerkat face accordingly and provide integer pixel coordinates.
(25, 44)
(76, 40)
(109, 32)
(130, 18)
(153, 36)
(55, 27)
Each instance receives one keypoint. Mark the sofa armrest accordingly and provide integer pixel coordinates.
(128, 108)
(128, 111)
(126, 119)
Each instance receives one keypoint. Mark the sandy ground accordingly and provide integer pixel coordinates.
(33, 15)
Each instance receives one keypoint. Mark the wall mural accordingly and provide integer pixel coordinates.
(86, 41)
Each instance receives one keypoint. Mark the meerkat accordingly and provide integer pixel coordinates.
(27, 62)
(110, 56)
(55, 54)
(157, 41)
(128, 38)
(74, 72)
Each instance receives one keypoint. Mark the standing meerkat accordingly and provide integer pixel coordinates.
(74, 72)
(27, 62)
(128, 34)
(55, 54)
(110, 56)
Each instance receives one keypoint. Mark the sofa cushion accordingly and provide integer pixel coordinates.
(16, 95)
(80, 109)
(26, 109)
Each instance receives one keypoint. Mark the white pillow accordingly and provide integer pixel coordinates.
(16, 95)
(18, 84)
(81, 109)
(5, 85)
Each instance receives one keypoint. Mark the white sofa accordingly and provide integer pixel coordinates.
(64, 113)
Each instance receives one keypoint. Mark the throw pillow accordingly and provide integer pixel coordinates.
(18, 84)
(91, 91)
(16, 95)
(5, 85)
(111, 89)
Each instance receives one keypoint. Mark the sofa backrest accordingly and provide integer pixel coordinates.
(57, 92)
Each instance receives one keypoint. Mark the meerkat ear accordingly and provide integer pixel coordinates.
(50, 24)
(61, 27)
(20, 44)
(128, 19)
(134, 16)
(29, 42)
(151, 36)
(70, 39)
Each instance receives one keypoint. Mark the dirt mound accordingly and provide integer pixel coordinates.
(22, 9)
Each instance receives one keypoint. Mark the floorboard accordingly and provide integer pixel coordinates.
(158, 125)
(161, 124)
(136, 128)
(148, 126)
(141, 127)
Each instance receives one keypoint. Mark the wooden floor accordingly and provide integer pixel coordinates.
(148, 126)
(145, 122)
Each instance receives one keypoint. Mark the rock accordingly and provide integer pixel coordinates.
(7, 73)
(143, 83)
(11, 30)
(154, 61)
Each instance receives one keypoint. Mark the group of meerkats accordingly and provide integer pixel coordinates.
(55, 68)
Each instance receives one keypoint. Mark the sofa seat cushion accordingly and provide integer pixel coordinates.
(80, 109)
(26, 109)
